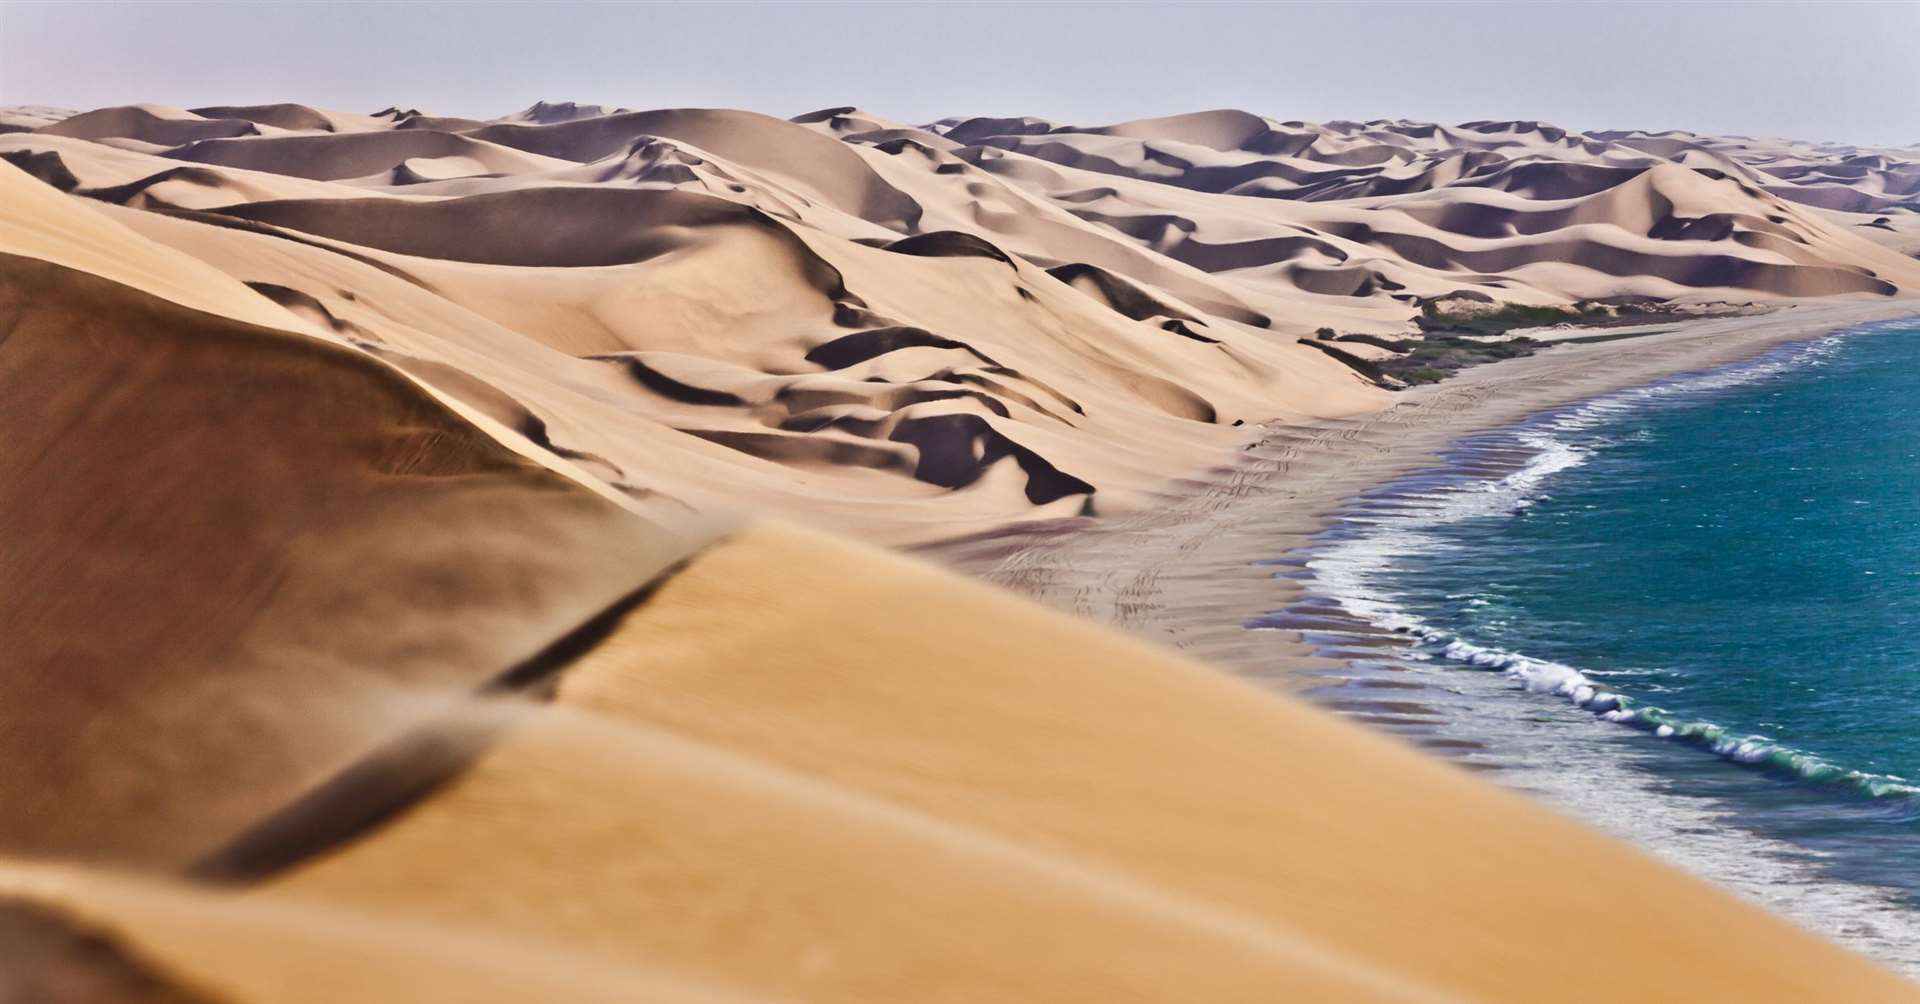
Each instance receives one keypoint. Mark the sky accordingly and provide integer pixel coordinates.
(1820, 71)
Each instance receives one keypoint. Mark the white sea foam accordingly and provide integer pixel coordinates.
(1353, 564)
(1351, 569)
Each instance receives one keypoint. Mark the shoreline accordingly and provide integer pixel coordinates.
(1194, 571)
(1228, 551)
(1701, 796)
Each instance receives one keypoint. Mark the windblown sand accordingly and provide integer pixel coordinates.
(917, 332)
(394, 612)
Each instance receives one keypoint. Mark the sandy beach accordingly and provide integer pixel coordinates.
(486, 559)
(1183, 573)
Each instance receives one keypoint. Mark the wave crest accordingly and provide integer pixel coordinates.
(1352, 566)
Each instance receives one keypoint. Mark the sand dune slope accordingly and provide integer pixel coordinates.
(819, 166)
(909, 368)
(256, 514)
(381, 624)
(929, 330)
(150, 124)
(41, 223)
(780, 778)
(89, 936)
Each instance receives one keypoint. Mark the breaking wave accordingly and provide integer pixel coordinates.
(1389, 526)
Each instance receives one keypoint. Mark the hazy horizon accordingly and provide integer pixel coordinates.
(1835, 72)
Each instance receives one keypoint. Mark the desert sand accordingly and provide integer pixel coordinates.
(914, 333)
(410, 599)
(1182, 573)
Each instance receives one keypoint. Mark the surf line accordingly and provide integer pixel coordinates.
(1351, 563)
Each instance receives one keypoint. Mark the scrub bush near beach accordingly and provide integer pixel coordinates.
(1498, 319)
(1435, 357)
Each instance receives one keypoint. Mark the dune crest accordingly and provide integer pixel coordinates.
(929, 330)
(383, 624)
(1049, 812)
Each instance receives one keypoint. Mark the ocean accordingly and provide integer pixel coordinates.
(1687, 613)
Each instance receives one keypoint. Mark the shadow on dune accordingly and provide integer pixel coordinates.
(231, 547)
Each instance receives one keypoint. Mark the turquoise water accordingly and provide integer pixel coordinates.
(1689, 612)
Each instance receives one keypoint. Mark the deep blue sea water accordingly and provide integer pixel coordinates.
(1689, 613)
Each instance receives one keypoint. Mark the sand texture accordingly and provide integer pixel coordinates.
(917, 332)
(440, 555)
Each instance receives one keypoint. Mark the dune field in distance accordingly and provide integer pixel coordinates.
(475, 560)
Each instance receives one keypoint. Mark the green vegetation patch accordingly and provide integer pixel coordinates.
(1435, 358)
(1506, 317)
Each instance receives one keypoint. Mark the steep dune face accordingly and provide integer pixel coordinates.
(374, 631)
(331, 157)
(553, 227)
(41, 223)
(1343, 191)
(924, 378)
(821, 167)
(291, 117)
(231, 510)
(149, 124)
(804, 770)
(934, 329)
(1222, 232)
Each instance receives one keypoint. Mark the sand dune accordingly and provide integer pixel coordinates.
(1198, 248)
(288, 495)
(550, 112)
(27, 118)
(381, 624)
(123, 176)
(1047, 812)
(291, 117)
(45, 225)
(818, 166)
(149, 124)
(332, 157)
